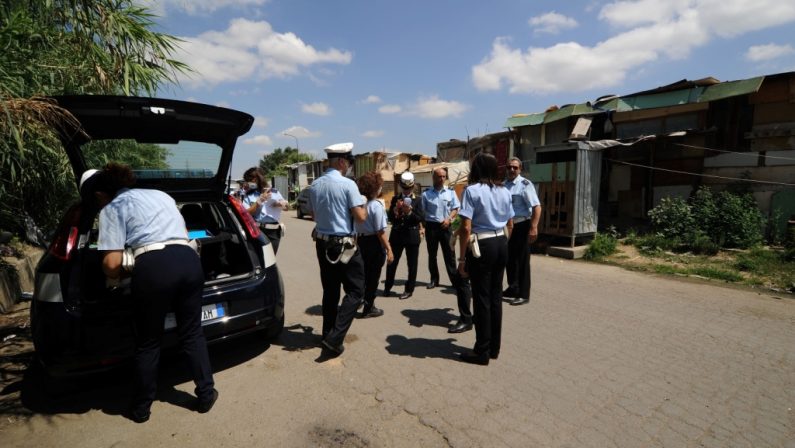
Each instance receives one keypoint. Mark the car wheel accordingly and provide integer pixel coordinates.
(273, 331)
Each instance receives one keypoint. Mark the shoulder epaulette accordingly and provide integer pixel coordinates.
(525, 181)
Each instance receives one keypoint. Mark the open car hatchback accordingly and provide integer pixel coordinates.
(80, 324)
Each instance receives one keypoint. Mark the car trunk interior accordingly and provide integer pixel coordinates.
(224, 254)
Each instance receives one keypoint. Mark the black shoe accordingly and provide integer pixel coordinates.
(475, 358)
(520, 301)
(333, 350)
(460, 327)
(494, 355)
(432, 284)
(138, 416)
(405, 295)
(371, 312)
(204, 406)
(510, 293)
(387, 293)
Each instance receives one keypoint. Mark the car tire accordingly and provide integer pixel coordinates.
(272, 332)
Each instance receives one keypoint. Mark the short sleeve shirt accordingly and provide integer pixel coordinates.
(376, 218)
(331, 197)
(137, 217)
(489, 208)
(437, 205)
(270, 212)
(523, 196)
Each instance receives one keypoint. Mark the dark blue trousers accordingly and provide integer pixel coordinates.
(337, 318)
(374, 258)
(165, 280)
(486, 273)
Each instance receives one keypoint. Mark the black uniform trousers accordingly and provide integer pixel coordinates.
(400, 239)
(486, 275)
(170, 279)
(337, 318)
(435, 237)
(274, 236)
(517, 270)
(374, 258)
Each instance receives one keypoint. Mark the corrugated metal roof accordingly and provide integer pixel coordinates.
(701, 91)
(731, 88)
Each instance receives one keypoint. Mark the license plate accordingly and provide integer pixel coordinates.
(209, 312)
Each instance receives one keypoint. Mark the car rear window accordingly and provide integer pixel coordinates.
(183, 160)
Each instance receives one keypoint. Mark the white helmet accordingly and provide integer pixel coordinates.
(406, 180)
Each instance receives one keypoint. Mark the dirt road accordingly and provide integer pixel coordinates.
(600, 357)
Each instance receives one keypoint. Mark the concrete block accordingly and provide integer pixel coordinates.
(570, 253)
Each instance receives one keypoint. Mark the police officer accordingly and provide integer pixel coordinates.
(405, 214)
(167, 274)
(265, 205)
(527, 214)
(485, 211)
(440, 206)
(372, 240)
(335, 203)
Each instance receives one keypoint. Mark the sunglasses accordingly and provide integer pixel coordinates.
(513, 167)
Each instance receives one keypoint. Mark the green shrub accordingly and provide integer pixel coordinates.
(741, 223)
(700, 243)
(672, 217)
(655, 244)
(603, 244)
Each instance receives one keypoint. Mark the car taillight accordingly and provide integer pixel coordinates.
(66, 236)
(252, 228)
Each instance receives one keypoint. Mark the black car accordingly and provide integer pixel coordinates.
(302, 203)
(82, 325)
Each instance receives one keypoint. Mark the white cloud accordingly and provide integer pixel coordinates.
(261, 122)
(371, 99)
(390, 109)
(250, 50)
(662, 28)
(321, 109)
(372, 134)
(434, 107)
(160, 7)
(299, 132)
(224, 104)
(552, 23)
(262, 140)
(767, 52)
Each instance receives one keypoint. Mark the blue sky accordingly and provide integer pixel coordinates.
(405, 75)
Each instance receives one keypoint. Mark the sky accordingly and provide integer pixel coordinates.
(404, 75)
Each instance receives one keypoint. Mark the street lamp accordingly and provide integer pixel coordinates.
(291, 135)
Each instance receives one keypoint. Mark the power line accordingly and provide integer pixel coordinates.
(701, 174)
(743, 153)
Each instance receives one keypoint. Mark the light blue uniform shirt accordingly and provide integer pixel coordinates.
(137, 217)
(331, 197)
(270, 212)
(489, 208)
(523, 196)
(438, 205)
(376, 219)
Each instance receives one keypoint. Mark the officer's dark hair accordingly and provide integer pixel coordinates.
(112, 178)
(255, 173)
(369, 183)
(483, 170)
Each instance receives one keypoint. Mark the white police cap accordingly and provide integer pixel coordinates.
(86, 175)
(406, 180)
(340, 150)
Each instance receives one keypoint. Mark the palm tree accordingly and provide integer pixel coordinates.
(57, 47)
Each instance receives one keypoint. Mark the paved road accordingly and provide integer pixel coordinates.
(601, 357)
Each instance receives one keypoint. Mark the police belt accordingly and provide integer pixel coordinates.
(367, 234)
(518, 219)
(322, 237)
(270, 225)
(489, 234)
(140, 250)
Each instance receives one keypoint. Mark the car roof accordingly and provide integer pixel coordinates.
(156, 120)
